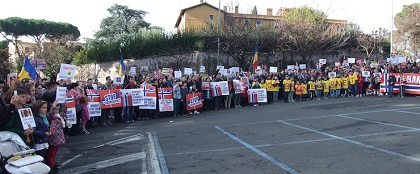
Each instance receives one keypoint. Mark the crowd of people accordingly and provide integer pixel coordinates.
(288, 85)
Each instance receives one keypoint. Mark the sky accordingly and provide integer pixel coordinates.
(87, 14)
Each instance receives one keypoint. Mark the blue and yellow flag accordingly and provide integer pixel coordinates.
(122, 66)
(28, 71)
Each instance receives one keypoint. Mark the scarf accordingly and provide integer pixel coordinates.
(44, 118)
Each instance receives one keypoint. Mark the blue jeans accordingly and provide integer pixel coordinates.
(318, 93)
(337, 93)
(290, 96)
(129, 113)
(353, 89)
(390, 90)
(276, 96)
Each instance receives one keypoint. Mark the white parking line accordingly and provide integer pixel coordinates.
(259, 152)
(354, 142)
(415, 113)
(105, 163)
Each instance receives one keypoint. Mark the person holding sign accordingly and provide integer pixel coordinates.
(42, 131)
(14, 124)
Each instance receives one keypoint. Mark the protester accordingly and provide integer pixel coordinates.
(42, 130)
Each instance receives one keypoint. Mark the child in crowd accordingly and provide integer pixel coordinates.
(298, 88)
(319, 88)
(312, 87)
(292, 90)
(85, 114)
(326, 86)
(57, 138)
(304, 91)
(255, 85)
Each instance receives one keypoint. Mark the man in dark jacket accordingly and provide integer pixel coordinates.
(50, 95)
(391, 83)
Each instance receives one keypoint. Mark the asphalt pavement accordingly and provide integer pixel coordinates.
(344, 135)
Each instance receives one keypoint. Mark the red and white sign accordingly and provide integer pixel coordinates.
(166, 102)
(412, 86)
(39, 63)
(194, 101)
(111, 98)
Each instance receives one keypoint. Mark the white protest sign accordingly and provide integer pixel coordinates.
(202, 69)
(291, 67)
(234, 70)
(27, 118)
(133, 71)
(194, 72)
(71, 115)
(60, 94)
(302, 66)
(273, 69)
(224, 86)
(95, 86)
(323, 61)
(351, 60)
(220, 67)
(257, 95)
(177, 74)
(118, 80)
(188, 71)
(67, 71)
(402, 60)
(258, 71)
(223, 71)
(365, 73)
(94, 109)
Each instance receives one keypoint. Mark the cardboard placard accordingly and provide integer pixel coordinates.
(60, 94)
(67, 71)
(27, 118)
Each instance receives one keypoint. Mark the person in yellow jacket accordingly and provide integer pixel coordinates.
(270, 88)
(319, 86)
(304, 91)
(326, 85)
(332, 86)
(298, 88)
(286, 87)
(345, 85)
(353, 83)
(292, 90)
(338, 82)
(312, 87)
(276, 88)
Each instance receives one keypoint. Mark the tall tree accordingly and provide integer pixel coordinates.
(122, 21)
(254, 11)
(408, 24)
(306, 31)
(4, 59)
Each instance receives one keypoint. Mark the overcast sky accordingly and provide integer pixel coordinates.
(87, 14)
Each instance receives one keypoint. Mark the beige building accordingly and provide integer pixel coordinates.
(200, 15)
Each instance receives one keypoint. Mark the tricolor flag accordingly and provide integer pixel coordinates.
(28, 71)
(122, 66)
(253, 97)
(255, 58)
(216, 91)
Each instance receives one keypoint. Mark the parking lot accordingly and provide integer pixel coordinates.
(351, 135)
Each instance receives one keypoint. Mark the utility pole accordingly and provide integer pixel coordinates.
(392, 26)
(218, 36)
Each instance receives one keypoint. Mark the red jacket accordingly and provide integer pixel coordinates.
(360, 81)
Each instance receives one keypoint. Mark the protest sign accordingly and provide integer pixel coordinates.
(188, 71)
(257, 95)
(194, 101)
(60, 94)
(27, 118)
(273, 69)
(110, 98)
(67, 71)
(165, 97)
(118, 80)
(224, 86)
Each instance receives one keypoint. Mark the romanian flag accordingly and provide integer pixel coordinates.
(28, 71)
(255, 59)
(122, 66)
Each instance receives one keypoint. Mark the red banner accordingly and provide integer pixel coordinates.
(111, 98)
(194, 101)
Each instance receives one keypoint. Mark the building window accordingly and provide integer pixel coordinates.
(277, 24)
(211, 17)
(229, 22)
(246, 23)
(258, 23)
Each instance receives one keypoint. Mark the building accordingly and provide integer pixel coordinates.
(203, 14)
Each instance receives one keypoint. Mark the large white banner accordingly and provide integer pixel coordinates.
(67, 71)
(257, 95)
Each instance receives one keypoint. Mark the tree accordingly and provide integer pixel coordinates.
(306, 31)
(122, 21)
(56, 53)
(4, 59)
(408, 24)
(36, 29)
(254, 11)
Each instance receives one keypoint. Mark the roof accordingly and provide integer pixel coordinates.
(181, 14)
